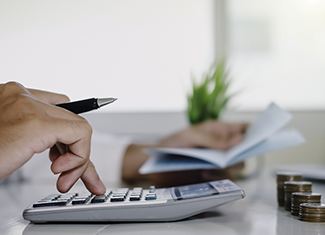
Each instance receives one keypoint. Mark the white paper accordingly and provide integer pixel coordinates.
(266, 134)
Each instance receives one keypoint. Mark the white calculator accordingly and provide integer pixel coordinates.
(134, 205)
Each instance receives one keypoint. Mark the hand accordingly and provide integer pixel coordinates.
(30, 124)
(210, 134)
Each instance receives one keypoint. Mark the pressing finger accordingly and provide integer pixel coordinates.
(92, 181)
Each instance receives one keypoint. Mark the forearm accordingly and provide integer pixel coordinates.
(133, 158)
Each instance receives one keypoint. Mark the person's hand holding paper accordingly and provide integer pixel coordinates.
(207, 135)
(264, 135)
(210, 134)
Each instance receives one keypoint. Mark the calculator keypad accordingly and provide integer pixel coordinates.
(118, 195)
(55, 200)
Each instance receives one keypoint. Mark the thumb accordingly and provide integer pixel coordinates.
(49, 97)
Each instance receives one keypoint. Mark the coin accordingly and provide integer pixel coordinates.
(294, 186)
(312, 215)
(312, 212)
(281, 177)
(312, 207)
(298, 198)
(312, 220)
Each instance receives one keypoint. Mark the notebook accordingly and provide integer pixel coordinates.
(267, 133)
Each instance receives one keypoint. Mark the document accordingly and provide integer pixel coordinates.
(266, 134)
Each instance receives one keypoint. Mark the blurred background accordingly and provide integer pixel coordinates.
(145, 52)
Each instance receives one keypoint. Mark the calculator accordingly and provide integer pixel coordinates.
(134, 205)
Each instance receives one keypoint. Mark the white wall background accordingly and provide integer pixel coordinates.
(141, 51)
(144, 51)
(277, 52)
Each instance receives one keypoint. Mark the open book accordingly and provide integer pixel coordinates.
(266, 134)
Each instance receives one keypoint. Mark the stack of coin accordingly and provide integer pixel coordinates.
(312, 212)
(282, 177)
(294, 186)
(299, 198)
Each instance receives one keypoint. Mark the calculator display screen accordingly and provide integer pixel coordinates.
(193, 191)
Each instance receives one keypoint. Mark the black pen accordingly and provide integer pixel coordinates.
(87, 105)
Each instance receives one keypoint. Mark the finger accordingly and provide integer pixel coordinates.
(75, 134)
(54, 153)
(92, 181)
(236, 139)
(13, 88)
(49, 97)
(66, 162)
(236, 128)
(88, 175)
(55, 111)
(216, 128)
(67, 179)
(61, 113)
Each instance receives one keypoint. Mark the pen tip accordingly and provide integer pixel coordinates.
(105, 101)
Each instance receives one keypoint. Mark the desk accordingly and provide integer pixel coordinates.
(256, 214)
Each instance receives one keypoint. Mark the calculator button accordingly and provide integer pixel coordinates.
(51, 197)
(81, 200)
(121, 190)
(78, 201)
(67, 196)
(101, 198)
(152, 189)
(151, 196)
(137, 189)
(117, 198)
(50, 203)
(83, 197)
(135, 198)
(61, 200)
(119, 195)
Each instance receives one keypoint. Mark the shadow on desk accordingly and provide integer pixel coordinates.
(192, 225)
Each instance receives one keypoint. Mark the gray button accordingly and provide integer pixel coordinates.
(151, 196)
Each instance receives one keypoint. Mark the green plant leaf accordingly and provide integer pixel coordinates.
(209, 97)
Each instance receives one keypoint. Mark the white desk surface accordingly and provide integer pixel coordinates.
(256, 214)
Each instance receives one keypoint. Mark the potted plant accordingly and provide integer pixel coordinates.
(210, 96)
